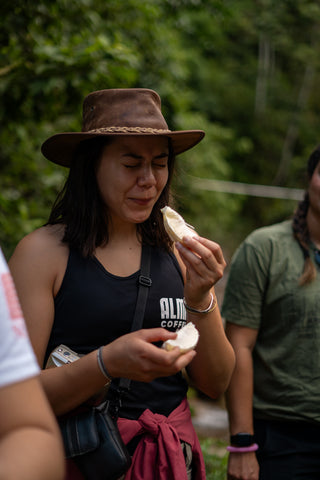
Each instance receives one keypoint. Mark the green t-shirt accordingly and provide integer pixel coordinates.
(263, 293)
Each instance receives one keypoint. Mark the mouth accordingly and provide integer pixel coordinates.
(142, 201)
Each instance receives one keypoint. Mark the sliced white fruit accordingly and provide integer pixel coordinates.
(175, 225)
(187, 339)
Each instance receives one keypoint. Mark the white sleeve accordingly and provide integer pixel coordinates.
(17, 359)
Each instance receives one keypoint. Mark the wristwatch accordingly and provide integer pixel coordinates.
(242, 439)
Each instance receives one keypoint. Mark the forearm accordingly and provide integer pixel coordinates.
(239, 405)
(70, 385)
(31, 454)
(213, 365)
(134, 356)
(239, 395)
(30, 441)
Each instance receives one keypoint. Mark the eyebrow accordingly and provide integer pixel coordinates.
(140, 157)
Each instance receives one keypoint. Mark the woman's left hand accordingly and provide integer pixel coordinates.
(205, 264)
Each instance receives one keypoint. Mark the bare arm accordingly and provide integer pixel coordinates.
(239, 397)
(38, 266)
(203, 264)
(30, 443)
(132, 356)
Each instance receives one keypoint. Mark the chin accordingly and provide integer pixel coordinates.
(141, 219)
(141, 216)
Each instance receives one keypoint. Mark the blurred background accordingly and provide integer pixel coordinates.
(247, 72)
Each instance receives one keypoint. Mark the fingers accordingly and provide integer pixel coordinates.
(170, 359)
(215, 248)
(161, 357)
(184, 360)
(202, 257)
(209, 252)
(156, 334)
(136, 357)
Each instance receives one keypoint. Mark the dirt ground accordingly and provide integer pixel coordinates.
(210, 418)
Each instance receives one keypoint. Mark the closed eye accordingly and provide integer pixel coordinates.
(131, 166)
(160, 161)
(154, 164)
(160, 165)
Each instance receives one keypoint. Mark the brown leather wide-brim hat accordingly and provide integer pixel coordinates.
(120, 111)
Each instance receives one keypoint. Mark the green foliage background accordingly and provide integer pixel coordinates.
(246, 72)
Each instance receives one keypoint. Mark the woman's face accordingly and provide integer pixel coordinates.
(131, 175)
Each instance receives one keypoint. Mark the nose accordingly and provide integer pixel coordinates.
(146, 176)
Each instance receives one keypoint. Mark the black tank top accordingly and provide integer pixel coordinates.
(94, 307)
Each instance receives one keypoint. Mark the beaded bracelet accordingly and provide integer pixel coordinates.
(211, 308)
(102, 366)
(251, 448)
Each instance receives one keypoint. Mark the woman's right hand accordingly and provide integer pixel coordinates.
(243, 466)
(134, 356)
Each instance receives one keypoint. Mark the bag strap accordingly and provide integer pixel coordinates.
(145, 283)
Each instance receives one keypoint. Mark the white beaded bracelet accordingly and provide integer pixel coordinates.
(211, 308)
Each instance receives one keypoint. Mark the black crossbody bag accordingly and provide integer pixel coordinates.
(91, 438)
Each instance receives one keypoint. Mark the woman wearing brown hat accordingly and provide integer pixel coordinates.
(77, 281)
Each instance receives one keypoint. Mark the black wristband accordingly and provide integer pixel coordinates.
(242, 439)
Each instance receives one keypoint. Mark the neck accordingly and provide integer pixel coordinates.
(119, 229)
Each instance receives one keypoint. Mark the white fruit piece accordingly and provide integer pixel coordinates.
(187, 339)
(175, 225)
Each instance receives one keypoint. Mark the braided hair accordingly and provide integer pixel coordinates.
(300, 227)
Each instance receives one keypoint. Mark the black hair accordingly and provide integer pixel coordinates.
(300, 227)
(80, 208)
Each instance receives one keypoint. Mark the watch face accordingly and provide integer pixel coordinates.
(242, 439)
(60, 356)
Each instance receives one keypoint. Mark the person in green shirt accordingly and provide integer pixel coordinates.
(272, 312)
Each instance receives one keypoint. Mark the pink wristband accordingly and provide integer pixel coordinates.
(251, 448)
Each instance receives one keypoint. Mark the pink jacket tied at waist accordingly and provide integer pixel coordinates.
(158, 454)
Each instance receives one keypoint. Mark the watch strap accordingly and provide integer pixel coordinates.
(242, 439)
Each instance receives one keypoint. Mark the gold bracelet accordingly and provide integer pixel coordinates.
(211, 308)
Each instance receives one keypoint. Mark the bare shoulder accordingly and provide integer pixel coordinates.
(41, 253)
(43, 242)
